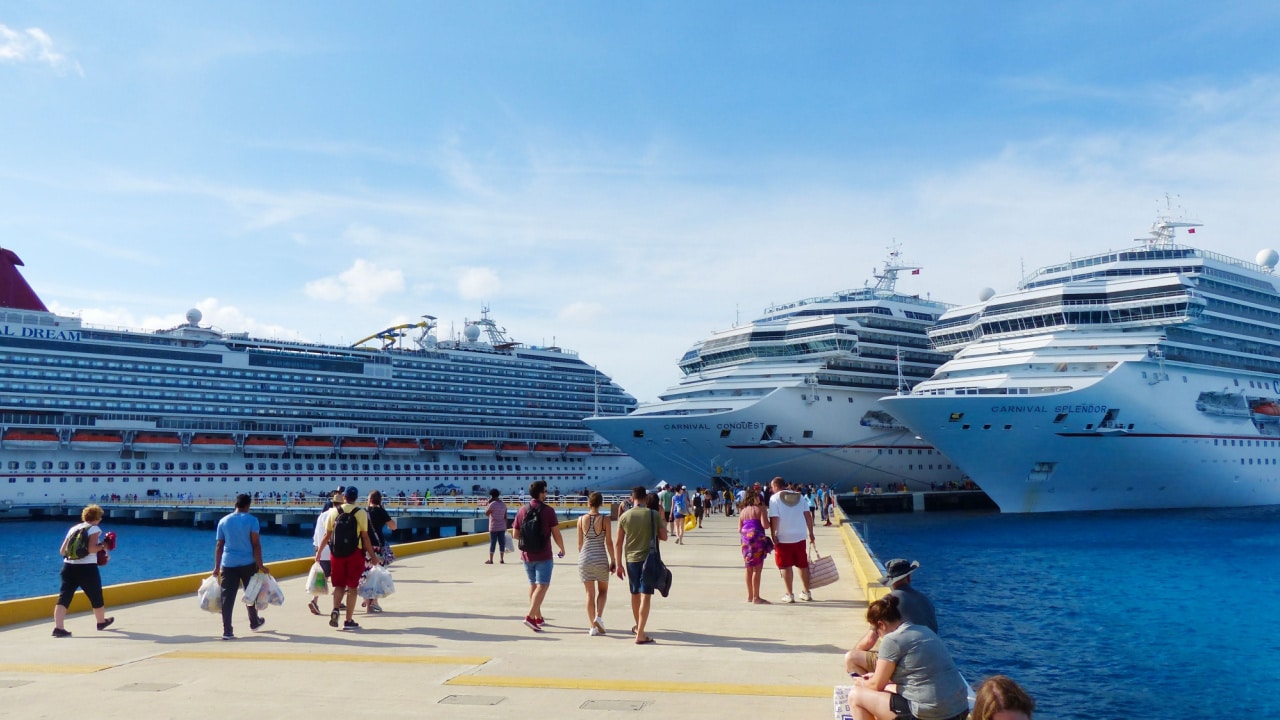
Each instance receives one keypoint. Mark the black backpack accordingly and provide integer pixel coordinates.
(533, 537)
(76, 546)
(346, 534)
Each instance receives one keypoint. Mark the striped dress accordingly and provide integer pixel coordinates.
(593, 560)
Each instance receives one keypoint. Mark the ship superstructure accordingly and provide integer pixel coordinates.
(1141, 378)
(88, 411)
(795, 393)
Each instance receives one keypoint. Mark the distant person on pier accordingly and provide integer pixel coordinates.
(913, 604)
(347, 537)
(535, 527)
(666, 498)
(596, 560)
(1000, 698)
(679, 509)
(753, 521)
(237, 557)
(790, 521)
(914, 676)
(496, 511)
(636, 530)
(79, 551)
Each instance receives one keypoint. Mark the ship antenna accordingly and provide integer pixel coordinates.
(887, 280)
(1164, 229)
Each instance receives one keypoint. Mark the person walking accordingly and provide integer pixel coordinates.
(534, 529)
(595, 560)
(347, 537)
(496, 511)
(679, 509)
(237, 556)
(636, 530)
(380, 523)
(665, 498)
(317, 542)
(79, 551)
(789, 521)
(753, 518)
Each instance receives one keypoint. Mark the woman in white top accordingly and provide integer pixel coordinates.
(81, 573)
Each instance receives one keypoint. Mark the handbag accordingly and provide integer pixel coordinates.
(822, 568)
(653, 573)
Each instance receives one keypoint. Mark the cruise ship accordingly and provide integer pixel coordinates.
(795, 393)
(195, 412)
(1143, 378)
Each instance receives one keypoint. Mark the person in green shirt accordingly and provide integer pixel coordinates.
(635, 531)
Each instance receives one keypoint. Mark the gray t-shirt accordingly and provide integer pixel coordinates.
(915, 607)
(925, 673)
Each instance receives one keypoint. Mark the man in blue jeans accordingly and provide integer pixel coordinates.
(236, 559)
(635, 531)
(536, 551)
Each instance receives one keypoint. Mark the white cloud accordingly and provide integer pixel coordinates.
(33, 46)
(478, 283)
(227, 318)
(581, 312)
(363, 283)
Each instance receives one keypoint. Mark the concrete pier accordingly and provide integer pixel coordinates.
(451, 644)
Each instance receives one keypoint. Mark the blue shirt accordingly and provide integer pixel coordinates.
(233, 531)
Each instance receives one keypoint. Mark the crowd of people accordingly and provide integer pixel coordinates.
(901, 668)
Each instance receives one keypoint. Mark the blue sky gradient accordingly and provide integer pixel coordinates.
(617, 179)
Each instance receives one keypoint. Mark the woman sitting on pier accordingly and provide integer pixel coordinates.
(914, 676)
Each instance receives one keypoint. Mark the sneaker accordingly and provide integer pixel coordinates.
(540, 621)
(228, 636)
(532, 624)
(314, 606)
(106, 623)
(59, 632)
(593, 631)
(787, 598)
(805, 596)
(255, 625)
(333, 619)
(599, 625)
(350, 625)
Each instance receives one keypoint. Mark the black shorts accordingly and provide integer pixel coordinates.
(900, 707)
(77, 576)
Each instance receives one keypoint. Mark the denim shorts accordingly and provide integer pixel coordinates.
(635, 577)
(539, 571)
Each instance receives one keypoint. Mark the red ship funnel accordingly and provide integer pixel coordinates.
(14, 291)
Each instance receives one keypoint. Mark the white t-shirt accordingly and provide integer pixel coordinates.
(91, 558)
(792, 527)
(322, 523)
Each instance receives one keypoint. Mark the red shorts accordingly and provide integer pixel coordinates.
(794, 554)
(345, 572)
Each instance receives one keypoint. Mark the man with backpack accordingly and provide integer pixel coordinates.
(347, 537)
(535, 526)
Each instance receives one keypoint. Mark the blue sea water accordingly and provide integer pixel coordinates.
(1161, 615)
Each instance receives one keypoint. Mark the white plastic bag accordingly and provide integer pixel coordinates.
(275, 596)
(254, 590)
(210, 595)
(508, 543)
(317, 583)
(376, 583)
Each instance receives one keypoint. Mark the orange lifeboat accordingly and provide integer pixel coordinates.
(400, 446)
(359, 445)
(212, 443)
(24, 439)
(547, 449)
(479, 447)
(515, 448)
(432, 445)
(156, 442)
(313, 445)
(96, 440)
(578, 450)
(1267, 407)
(264, 444)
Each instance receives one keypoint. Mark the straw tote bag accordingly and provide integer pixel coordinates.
(822, 568)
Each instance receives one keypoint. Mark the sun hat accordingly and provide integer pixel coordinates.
(897, 569)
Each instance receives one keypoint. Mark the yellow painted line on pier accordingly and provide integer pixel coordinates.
(52, 669)
(328, 657)
(642, 686)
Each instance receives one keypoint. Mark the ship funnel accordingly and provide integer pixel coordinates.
(14, 291)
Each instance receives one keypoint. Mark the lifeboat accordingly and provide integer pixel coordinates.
(313, 445)
(399, 446)
(547, 449)
(212, 443)
(479, 447)
(156, 442)
(359, 445)
(578, 450)
(515, 448)
(24, 439)
(96, 440)
(432, 445)
(1267, 407)
(264, 444)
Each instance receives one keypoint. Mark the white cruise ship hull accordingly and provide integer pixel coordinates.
(1166, 448)
(849, 443)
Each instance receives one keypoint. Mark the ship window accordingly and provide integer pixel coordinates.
(828, 398)
(63, 465)
(724, 433)
(1060, 417)
(13, 464)
(965, 426)
(1184, 378)
(1008, 427)
(366, 467)
(986, 427)
(79, 464)
(111, 466)
(955, 417)
(156, 466)
(637, 433)
(1089, 426)
(808, 433)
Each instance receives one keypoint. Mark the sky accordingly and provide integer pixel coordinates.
(620, 179)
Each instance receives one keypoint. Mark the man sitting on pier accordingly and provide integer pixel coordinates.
(913, 604)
